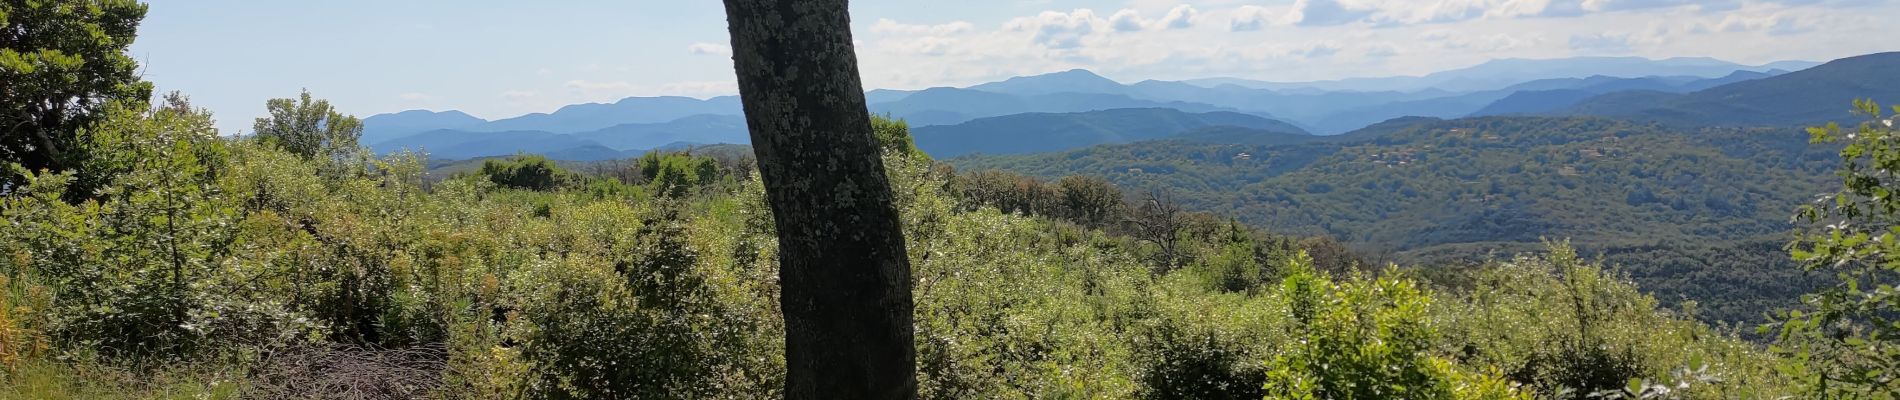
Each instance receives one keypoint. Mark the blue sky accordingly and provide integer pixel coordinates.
(497, 59)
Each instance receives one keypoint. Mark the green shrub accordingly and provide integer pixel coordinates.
(529, 172)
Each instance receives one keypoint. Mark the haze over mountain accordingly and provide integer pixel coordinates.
(1608, 86)
(1040, 132)
(1807, 97)
(1497, 74)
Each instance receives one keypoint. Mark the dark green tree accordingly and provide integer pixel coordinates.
(1089, 200)
(529, 172)
(61, 63)
(893, 135)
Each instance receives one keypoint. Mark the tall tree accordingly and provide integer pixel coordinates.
(308, 127)
(845, 281)
(61, 63)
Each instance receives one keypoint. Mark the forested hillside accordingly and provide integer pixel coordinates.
(281, 276)
(1442, 191)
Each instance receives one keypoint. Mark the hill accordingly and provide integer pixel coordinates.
(949, 106)
(1037, 132)
(1497, 74)
(1071, 81)
(609, 143)
(693, 129)
(384, 127)
(1430, 191)
(453, 144)
(1807, 97)
(631, 110)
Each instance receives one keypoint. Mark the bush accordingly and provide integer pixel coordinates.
(529, 172)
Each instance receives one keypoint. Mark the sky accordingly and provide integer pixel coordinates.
(497, 59)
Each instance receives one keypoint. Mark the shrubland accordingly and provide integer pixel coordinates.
(216, 266)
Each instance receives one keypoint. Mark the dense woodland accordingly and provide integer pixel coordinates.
(144, 254)
(1696, 214)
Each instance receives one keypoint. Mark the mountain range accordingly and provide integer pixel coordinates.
(1040, 132)
(1498, 74)
(1072, 109)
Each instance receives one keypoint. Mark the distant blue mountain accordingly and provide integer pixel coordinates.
(1498, 74)
(1808, 97)
(693, 129)
(1078, 108)
(1071, 81)
(383, 127)
(886, 95)
(455, 145)
(1039, 132)
(1540, 97)
(632, 110)
(946, 106)
(590, 145)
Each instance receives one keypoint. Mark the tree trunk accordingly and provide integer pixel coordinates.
(845, 281)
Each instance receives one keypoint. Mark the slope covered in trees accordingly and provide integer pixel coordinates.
(279, 280)
(1430, 191)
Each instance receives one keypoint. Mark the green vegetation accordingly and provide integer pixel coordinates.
(240, 259)
(1844, 339)
(291, 264)
(64, 64)
(310, 129)
(525, 172)
(1693, 215)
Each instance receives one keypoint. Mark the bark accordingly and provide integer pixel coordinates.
(845, 281)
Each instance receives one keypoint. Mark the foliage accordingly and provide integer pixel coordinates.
(893, 135)
(1568, 328)
(528, 172)
(1710, 204)
(674, 175)
(63, 65)
(1368, 338)
(1844, 341)
(311, 129)
(215, 265)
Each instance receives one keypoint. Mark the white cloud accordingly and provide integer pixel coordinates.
(1059, 30)
(1773, 23)
(1180, 17)
(1249, 18)
(517, 95)
(1407, 12)
(1317, 50)
(1128, 20)
(1328, 12)
(1379, 51)
(704, 48)
(887, 26)
(585, 90)
(1329, 39)
(1601, 43)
